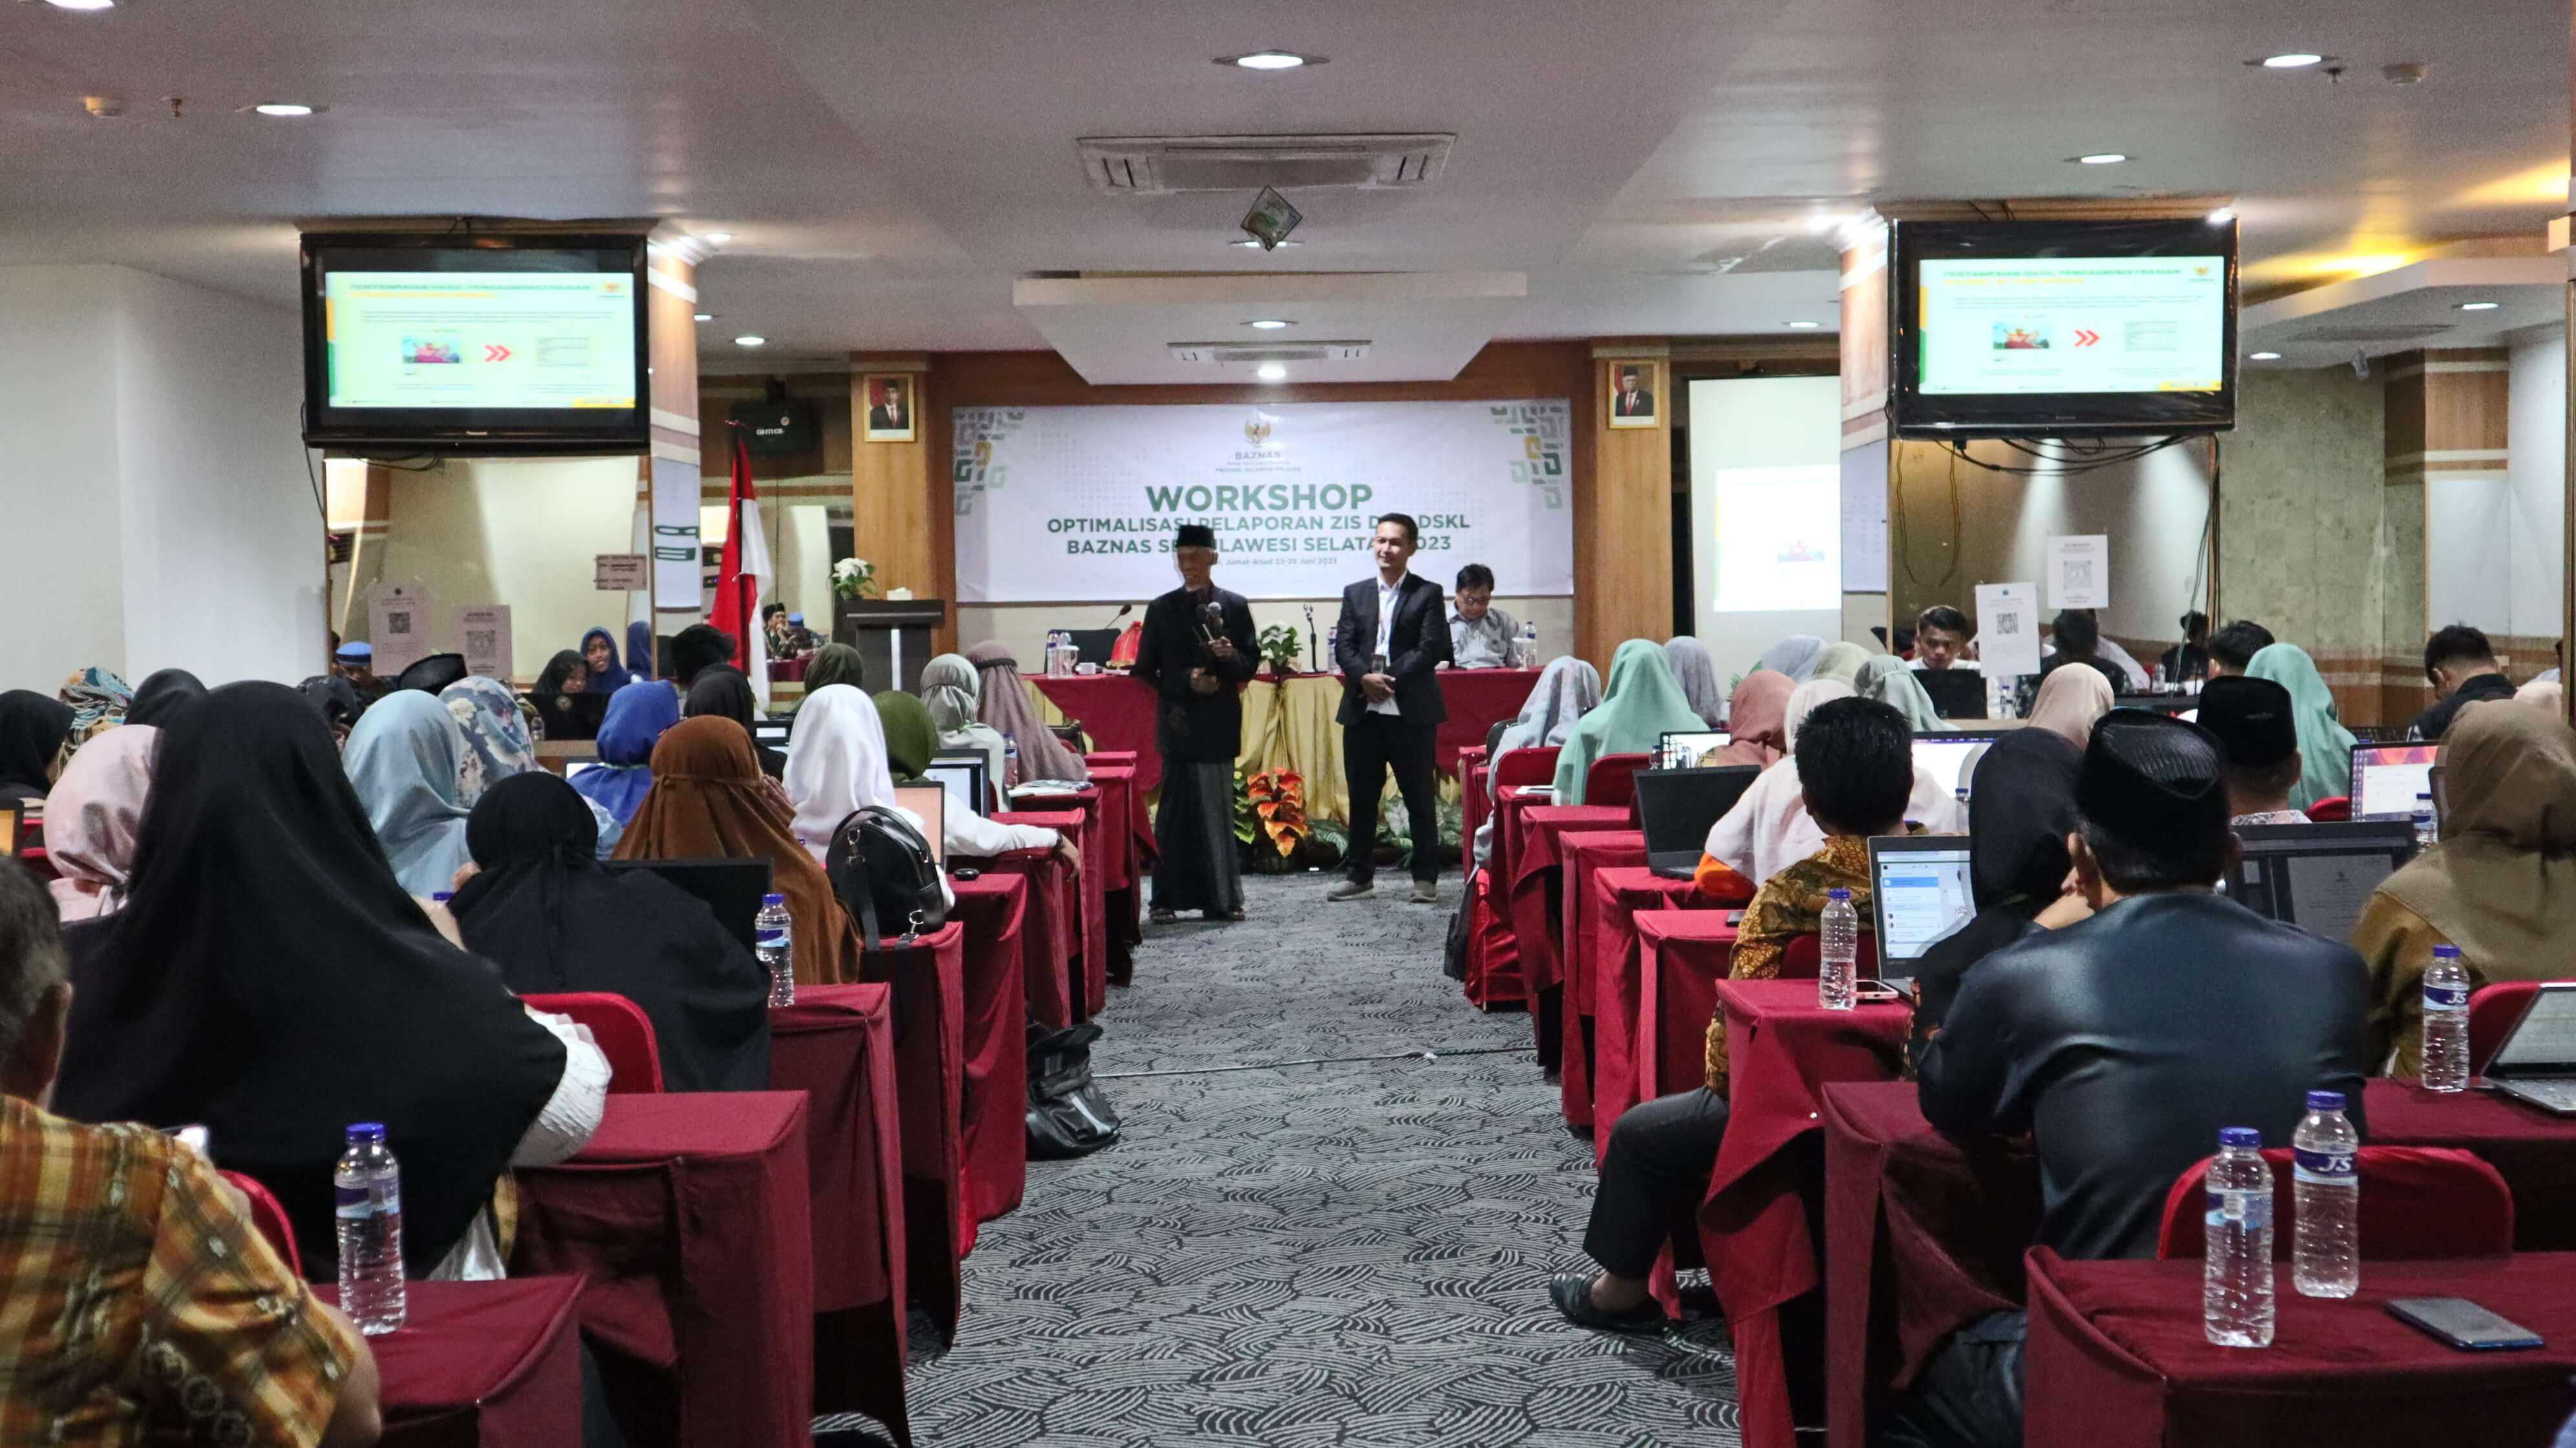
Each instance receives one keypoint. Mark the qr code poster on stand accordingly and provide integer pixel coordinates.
(2079, 571)
(2008, 629)
(398, 625)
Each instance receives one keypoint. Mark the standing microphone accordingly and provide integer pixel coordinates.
(1124, 609)
(1314, 659)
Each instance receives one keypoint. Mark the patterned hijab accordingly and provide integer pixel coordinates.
(1697, 673)
(1643, 703)
(2325, 746)
(91, 819)
(404, 758)
(1007, 708)
(98, 701)
(1887, 679)
(498, 747)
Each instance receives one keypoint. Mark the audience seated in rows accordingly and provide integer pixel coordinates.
(33, 730)
(2069, 703)
(910, 740)
(1567, 689)
(1643, 703)
(498, 747)
(953, 692)
(839, 664)
(1757, 722)
(91, 819)
(1886, 678)
(404, 758)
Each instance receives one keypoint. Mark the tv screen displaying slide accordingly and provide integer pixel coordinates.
(2041, 329)
(480, 346)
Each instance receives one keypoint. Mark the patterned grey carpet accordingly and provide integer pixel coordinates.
(1342, 1254)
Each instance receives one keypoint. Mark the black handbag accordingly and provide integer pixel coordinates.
(1453, 956)
(1068, 1115)
(881, 869)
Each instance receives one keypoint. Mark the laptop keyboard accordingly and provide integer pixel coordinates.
(2556, 1094)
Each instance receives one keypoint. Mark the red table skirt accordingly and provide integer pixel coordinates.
(1088, 828)
(929, 980)
(2117, 1359)
(1618, 897)
(994, 911)
(836, 1044)
(1681, 956)
(481, 1365)
(690, 1214)
(1537, 909)
(1131, 858)
(1586, 853)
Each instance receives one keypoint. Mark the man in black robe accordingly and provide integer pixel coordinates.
(1196, 654)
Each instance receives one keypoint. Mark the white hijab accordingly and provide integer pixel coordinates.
(836, 762)
(1770, 829)
(1566, 690)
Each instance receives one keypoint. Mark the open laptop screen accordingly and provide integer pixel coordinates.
(2318, 876)
(1920, 889)
(2387, 777)
(1945, 757)
(1684, 750)
(2543, 1042)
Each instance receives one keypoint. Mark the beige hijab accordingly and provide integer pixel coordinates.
(2071, 698)
(2502, 883)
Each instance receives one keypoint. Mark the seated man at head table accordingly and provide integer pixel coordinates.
(2121, 1045)
(144, 1301)
(1855, 763)
(1481, 636)
(2258, 735)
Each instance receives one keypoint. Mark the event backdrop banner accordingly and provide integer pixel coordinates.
(1078, 504)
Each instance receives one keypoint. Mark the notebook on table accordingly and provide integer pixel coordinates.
(1676, 808)
(2537, 1061)
(1921, 892)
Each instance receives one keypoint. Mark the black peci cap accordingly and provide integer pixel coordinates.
(2251, 719)
(2148, 779)
(1195, 535)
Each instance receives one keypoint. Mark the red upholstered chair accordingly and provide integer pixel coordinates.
(2417, 1202)
(1612, 780)
(270, 1218)
(1805, 957)
(1535, 765)
(2494, 1010)
(623, 1031)
(2332, 811)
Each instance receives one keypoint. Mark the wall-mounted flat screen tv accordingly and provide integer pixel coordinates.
(2063, 328)
(463, 345)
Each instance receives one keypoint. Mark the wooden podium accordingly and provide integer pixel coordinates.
(892, 636)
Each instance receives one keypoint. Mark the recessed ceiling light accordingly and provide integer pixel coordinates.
(2102, 158)
(1250, 244)
(718, 238)
(1268, 324)
(751, 341)
(706, 316)
(1271, 372)
(2222, 216)
(82, 4)
(1270, 60)
(2479, 306)
(2290, 61)
(1805, 326)
(282, 108)
(2265, 356)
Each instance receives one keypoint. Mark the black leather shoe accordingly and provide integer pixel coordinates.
(1572, 1295)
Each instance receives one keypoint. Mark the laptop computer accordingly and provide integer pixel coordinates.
(1677, 808)
(1945, 756)
(730, 888)
(2537, 1061)
(2387, 777)
(930, 801)
(1921, 893)
(1093, 645)
(577, 765)
(1682, 749)
(2317, 876)
(965, 773)
(771, 733)
(1957, 693)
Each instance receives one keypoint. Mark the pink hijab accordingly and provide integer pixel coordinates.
(90, 819)
(1757, 715)
(2070, 699)
(1008, 711)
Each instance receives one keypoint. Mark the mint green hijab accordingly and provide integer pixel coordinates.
(1840, 660)
(1886, 679)
(1643, 703)
(2325, 746)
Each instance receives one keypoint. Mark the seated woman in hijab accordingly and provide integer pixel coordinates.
(721, 690)
(1009, 713)
(2501, 885)
(1887, 679)
(33, 730)
(91, 818)
(2325, 746)
(99, 701)
(497, 747)
(404, 759)
(2071, 701)
(1696, 672)
(636, 722)
(1567, 689)
(1757, 717)
(540, 907)
(708, 799)
(558, 693)
(1769, 828)
(163, 695)
(1794, 656)
(336, 700)
(1643, 703)
(1840, 661)
(910, 740)
(601, 672)
(838, 664)
(952, 691)
(270, 979)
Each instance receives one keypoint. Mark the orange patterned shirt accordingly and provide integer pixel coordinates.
(139, 1299)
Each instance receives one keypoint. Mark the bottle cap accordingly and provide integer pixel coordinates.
(440, 896)
(366, 1131)
(2240, 1136)
(1838, 894)
(773, 900)
(2325, 1101)
(2446, 952)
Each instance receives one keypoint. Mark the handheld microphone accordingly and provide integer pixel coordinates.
(1212, 620)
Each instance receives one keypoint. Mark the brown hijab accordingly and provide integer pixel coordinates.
(2502, 883)
(1757, 718)
(710, 800)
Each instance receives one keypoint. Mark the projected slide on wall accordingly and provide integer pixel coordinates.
(2003, 325)
(1778, 535)
(493, 340)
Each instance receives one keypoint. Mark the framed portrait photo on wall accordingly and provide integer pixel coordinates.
(1636, 390)
(889, 415)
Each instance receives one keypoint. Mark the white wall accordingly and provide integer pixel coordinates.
(152, 476)
(2535, 531)
(515, 532)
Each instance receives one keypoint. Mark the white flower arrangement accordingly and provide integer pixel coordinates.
(854, 578)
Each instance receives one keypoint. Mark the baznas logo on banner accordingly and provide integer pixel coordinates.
(1079, 504)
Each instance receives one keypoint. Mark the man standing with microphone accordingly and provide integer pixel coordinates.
(1196, 653)
(1392, 635)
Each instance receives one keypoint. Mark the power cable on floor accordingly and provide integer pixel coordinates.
(1311, 1061)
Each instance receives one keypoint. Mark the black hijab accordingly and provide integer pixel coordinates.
(433, 673)
(33, 727)
(335, 699)
(558, 709)
(721, 690)
(269, 979)
(2021, 805)
(544, 910)
(163, 697)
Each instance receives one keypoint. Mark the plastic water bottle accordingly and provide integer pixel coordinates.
(369, 1196)
(2446, 1021)
(776, 940)
(2427, 834)
(1010, 760)
(1838, 977)
(1529, 646)
(2236, 1281)
(2325, 1250)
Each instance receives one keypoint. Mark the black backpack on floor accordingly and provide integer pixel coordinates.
(881, 869)
(1068, 1115)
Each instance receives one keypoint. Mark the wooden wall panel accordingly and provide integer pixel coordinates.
(1623, 522)
(899, 500)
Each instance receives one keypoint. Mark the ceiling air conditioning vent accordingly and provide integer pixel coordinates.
(2384, 332)
(1168, 165)
(1256, 352)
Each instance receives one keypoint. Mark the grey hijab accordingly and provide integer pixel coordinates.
(1698, 675)
(1795, 656)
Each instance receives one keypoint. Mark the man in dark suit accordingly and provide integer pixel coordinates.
(1392, 635)
(892, 414)
(1632, 400)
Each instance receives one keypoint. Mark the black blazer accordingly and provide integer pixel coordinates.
(1418, 645)
(1190, 727)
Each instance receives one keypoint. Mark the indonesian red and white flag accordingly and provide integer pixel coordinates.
(745, 567)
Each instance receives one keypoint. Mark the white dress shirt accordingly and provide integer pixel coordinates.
(1387, 594)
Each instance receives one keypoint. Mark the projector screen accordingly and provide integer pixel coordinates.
(1766, 513)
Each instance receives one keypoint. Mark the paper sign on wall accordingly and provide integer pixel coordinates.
(399, 626)
(482, 635)
(2008, 629)
(676, 586)
(2079, 571)
(621, 572)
